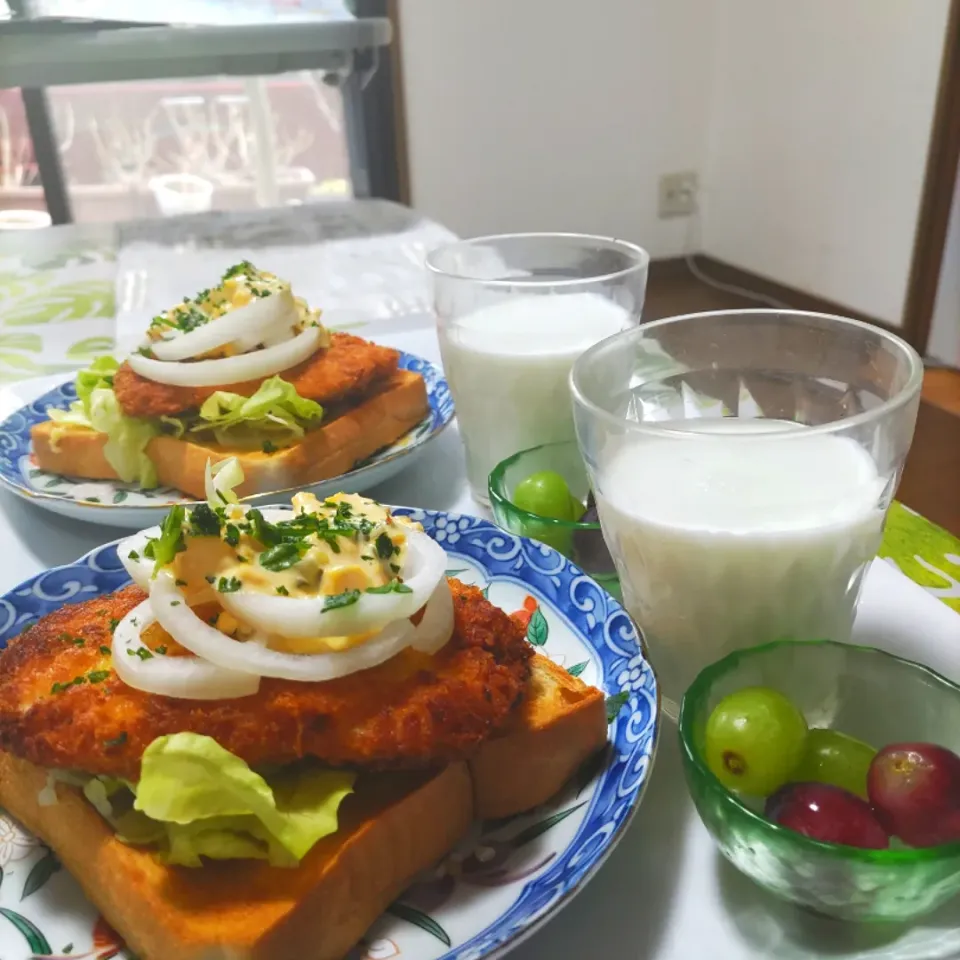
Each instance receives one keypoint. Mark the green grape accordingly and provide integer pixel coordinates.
(755, 739)
(577, 509)
(546, 494)
(833, 757)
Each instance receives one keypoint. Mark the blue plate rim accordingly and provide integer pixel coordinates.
(520, 919)
(441, 414)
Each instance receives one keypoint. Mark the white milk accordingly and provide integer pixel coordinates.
(725, 543)
(508, 365)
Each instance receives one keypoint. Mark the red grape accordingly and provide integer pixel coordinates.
(915, 790)
(827, 813)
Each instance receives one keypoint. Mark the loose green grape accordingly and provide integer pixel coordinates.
(546, 494)
(833, 757)
(755, 739)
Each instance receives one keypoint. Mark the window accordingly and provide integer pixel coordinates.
(151, 148)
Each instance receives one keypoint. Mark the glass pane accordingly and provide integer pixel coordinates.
(155, 148)
(21, 196)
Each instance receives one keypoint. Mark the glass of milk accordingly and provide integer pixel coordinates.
(743, 463)
(513, 313)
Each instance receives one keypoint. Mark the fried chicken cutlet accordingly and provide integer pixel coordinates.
(345, 371)
(61, 705)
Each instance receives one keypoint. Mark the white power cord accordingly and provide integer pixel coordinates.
(692, 243)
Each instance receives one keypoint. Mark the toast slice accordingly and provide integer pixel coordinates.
(328, 451)
(394, 826)
(559, 725)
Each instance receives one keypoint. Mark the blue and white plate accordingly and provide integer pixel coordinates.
(509, 877)
(117, 504)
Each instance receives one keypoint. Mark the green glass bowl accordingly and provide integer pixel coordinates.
(582, 542)
(871, 695)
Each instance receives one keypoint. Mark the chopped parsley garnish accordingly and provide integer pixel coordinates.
(174, 603)
(337, 600)
(394, 586)
(282, 556)
(105, 651)
(228, 585)
(283, 591)
(78, 641)
(143, 653)
(161, 650)
(170, 542)
(133, 555)
(114, 623)
(385, 547)
(395, 567)
(98, 676)
(269, 534)
(244, 267)
(118, 741)
(75, 682)
(232, 534)
(268, 447)
(180, 583)
(63, 637)
(210, 578)
(204, 522)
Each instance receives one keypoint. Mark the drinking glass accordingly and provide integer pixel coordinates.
(743, 462)
(513, 313)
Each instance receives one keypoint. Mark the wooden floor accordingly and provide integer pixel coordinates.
(931, 480)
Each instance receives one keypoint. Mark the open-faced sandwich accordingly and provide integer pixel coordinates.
(253, 749)
(245, 369)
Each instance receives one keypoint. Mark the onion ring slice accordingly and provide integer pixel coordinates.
(187, 678)
(238, 369)
(176, 617)
(304, 617)
(244, 326)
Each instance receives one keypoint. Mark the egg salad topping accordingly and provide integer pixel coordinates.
(337, 548)
(311, 592)
(242, 284)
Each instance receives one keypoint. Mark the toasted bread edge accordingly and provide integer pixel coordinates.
(329, 451)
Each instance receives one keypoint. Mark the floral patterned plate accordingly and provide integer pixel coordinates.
(508, 877)
(117, 504)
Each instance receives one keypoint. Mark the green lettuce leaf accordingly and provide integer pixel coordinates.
(212, 804)
(98, 375)
(276, 414)
(97, 408)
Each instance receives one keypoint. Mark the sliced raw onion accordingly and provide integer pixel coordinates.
(138, 566)
(245, 327)
(184, 677)
(305, 617)
(246, 366)
(219, 479)
(436, 625)
(206, 641)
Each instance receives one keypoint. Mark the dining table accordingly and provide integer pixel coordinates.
(72, 292)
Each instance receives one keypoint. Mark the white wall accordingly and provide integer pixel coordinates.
(945, 329)
(819, 126)
(808, 121)
(554, 114)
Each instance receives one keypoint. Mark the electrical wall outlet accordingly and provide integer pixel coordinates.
(678, 194)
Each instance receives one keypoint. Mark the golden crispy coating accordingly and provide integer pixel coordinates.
(343, 372)
(413, 711)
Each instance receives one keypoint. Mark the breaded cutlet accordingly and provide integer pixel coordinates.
(345, 371)
(61, 705)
